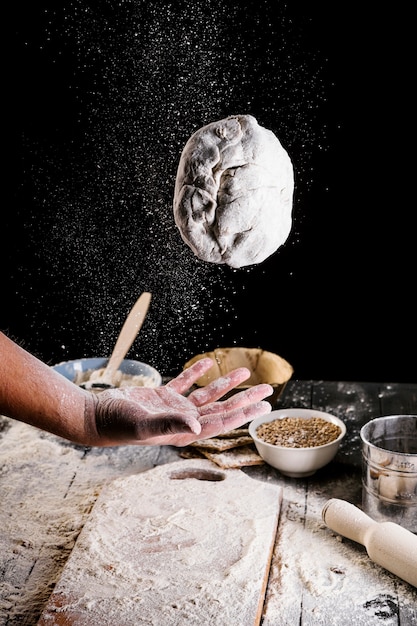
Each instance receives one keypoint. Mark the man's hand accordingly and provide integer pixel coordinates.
(164, 416)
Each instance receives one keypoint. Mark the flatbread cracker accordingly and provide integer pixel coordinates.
(220, 444)
(191, 453)
(233, 459)
(235, 433)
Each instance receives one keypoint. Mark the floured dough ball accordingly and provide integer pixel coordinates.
(233, 192)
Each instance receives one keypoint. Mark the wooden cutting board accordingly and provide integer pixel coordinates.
(185, 543)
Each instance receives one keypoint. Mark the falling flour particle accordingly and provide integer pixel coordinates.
(233, 192)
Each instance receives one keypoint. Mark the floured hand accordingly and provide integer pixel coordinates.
(164, 416)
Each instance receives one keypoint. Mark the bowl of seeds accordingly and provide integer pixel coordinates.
(297, 442)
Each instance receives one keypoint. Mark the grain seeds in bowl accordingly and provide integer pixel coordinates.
(298, 432)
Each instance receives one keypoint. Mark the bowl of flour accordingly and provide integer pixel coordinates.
(130, 373)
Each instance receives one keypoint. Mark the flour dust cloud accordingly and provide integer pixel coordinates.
(130, 81)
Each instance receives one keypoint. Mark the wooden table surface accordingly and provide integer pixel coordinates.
(48, 487)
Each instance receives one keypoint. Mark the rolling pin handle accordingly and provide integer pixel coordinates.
(387, 544)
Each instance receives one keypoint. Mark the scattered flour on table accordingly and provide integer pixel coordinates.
(47, 490)
(320, 574)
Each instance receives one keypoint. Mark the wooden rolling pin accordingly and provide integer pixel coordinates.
(388, 544)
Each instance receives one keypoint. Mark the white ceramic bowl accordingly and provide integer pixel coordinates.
(70, 369)
(296, 462)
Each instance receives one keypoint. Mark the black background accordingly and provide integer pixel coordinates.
(100, 99)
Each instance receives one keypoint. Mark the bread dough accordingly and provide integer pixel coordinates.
(233, 192)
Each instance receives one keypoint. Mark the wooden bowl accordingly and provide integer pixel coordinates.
(265, 367)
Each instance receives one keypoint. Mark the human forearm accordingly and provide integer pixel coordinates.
(33, 392)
